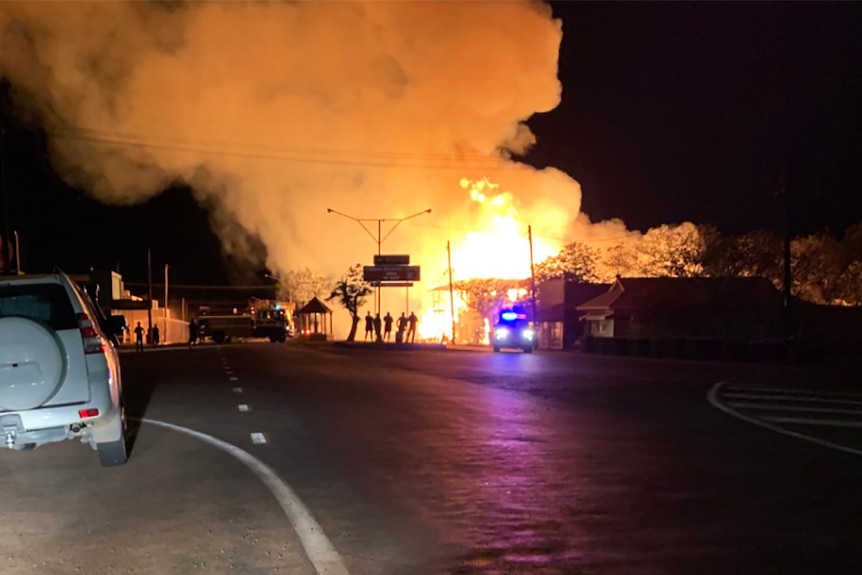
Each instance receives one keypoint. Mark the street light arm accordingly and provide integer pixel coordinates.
(357, 220)
(399, 220)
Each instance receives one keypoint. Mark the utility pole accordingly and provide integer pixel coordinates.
(149, 291)
(17, 253)
(166, 303)
(788, 270)
(4, 241)
(451, 289)
(532, 276)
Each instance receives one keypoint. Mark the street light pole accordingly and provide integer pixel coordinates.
(166, 303)
(379, 239)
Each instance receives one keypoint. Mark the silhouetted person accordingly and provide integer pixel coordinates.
(139, 338)
(378, 327)
(193, 332)
(402, 327)
(156, 336)
(369, 326)
(387, 327)
(411, 333)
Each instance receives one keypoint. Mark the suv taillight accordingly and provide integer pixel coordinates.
(92, 341)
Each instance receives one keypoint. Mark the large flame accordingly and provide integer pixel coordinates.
(498, 248)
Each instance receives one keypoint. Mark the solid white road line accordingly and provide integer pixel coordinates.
(820, 422)
(800, 408)
(736, 395)
(790, 390)
(712, 397)
(318, 547)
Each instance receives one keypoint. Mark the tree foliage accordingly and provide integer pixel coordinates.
(755, 254)
(303, 285)
(665, 251)
(576, 260)
(350, 292)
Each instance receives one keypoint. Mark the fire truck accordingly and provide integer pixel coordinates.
(262, 318)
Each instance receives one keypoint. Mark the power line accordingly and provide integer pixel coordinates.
(370, 163)
(545, 236)
(174, 140)
(206, 287)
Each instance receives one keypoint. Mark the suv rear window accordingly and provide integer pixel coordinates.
(46, 303)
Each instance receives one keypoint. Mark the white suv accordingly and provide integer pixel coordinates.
(59, 368)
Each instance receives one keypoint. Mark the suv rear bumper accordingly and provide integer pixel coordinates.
(22, 429)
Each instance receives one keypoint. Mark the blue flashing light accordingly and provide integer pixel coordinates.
(508, 316)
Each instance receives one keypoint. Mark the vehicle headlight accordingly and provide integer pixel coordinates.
(501, 333)
(528, 334)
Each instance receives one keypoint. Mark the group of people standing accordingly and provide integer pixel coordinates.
(153, 336)
(406, 333)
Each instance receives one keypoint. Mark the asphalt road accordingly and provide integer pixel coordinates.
(451, 462)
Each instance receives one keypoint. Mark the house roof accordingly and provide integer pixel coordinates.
(314, 306)
(604, 300)
(578, 293)
(640, 293)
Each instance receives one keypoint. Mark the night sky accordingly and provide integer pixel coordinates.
(671, 112)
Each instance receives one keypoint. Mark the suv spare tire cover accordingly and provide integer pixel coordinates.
(31, 363)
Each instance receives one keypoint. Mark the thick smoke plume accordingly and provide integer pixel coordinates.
(275, 111)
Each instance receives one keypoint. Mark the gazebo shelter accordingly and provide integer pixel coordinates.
(311, 320)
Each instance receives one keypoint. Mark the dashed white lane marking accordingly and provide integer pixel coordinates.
(237, 390)
(318, 547)
(234, 378)
(712, 397)
(228, 372)
(806, 421)
(258, 438)
(242, 407)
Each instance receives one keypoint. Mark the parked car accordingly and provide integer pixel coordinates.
(59, 368)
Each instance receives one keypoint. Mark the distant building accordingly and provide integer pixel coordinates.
(738, 309)
(558, 320)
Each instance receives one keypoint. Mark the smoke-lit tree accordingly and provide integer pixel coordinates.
(350, 292)
(621, 260)
(755, 254)
(664, 251)
(849, 288)
(303, 285)
(817, 266)
(670, 251)
(575, 260)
